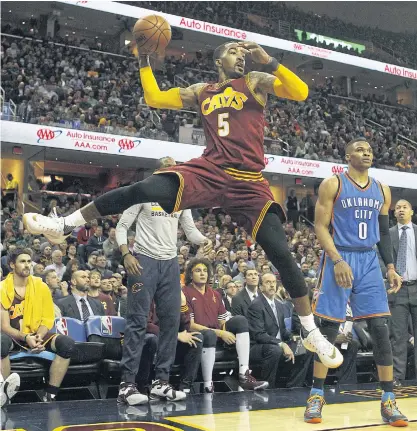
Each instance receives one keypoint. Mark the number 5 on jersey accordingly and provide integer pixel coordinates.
(223, 124)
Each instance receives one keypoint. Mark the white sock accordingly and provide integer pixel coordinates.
(208, 358)
(242, 349)
(75, 219)
(308, 322)
(208, 384)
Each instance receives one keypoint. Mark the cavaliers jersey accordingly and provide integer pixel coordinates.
(16, 312)
(233, 122)
(355, 213)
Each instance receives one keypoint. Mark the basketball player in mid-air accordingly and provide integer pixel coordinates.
(228, 174)
(351, 218)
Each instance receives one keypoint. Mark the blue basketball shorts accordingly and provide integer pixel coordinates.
(367, 297)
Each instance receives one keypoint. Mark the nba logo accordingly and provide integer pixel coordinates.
(106, 325)
(61, 326)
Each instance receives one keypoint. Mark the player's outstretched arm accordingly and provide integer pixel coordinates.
(280, 81)
(174, 98)
(328, 191)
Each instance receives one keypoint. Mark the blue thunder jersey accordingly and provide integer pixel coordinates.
(355, 213)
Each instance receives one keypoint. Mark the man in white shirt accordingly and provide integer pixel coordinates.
(403, 304)
(153, 274)
(57, 264)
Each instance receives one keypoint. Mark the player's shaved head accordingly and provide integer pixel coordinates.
(351, 144)
(220, 50)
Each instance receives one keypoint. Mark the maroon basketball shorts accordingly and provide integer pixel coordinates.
(244, 195)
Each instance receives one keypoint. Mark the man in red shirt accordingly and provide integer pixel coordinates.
(104, 298)
(210, 318)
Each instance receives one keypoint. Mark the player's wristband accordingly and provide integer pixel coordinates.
(123, 257)
(272, 65)
(337, 261)
(24, 339)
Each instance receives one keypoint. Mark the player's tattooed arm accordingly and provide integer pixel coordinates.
(262, 84)
(189, 95)
(293, 88)
(174, 98)
(280, 81)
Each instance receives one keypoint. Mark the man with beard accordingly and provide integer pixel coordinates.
(36, 247)
(79, 305)
(27, 316)
(96, 292)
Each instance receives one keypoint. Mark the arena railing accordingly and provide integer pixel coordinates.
(306, 221)
(180, 82)
(401, 139)
(67, 45)
(382, 105)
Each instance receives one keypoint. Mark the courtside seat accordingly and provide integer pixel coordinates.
(226, 359)
(85, 352)
(108, 330)
(85, 363)
(31, 367)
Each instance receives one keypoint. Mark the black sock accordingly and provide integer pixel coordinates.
(53, 390)
(387, 386)
(318, 383)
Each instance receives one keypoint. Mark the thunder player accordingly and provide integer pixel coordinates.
(351, 218)
(228, 175)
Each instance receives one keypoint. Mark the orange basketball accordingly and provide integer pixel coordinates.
(152, 34)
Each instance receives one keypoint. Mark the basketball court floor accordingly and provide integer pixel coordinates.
(348, 408)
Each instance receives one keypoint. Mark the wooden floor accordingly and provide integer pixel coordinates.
(353, 416)
(348, 408)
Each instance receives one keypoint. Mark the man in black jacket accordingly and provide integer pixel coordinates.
(269, 337)
(95, 243)
(403, 304)
(244, 298)
(79, 305)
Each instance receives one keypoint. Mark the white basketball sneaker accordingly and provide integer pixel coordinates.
(52, 228)
(162, 390)
(8, 388)
(329, 355)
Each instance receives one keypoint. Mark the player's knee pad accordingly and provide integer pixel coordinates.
(6, 345)
(209, 338)
(64, 346)
(381, 345)
(237, 325)
(330, 330)
(271, 236)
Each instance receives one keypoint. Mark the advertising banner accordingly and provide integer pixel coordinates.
(78, 140)
(238, 34)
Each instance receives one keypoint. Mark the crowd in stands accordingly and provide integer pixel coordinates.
(264, 17)
(86, 90)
